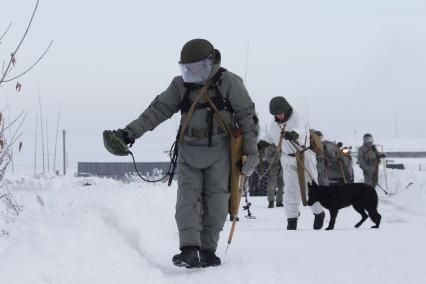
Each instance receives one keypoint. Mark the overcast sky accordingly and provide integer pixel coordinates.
(349, 66)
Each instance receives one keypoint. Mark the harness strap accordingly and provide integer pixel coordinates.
(210, 126)
(188, 116)
(217, 114)
(221, 102)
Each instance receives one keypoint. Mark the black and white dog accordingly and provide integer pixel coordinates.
(361, 196)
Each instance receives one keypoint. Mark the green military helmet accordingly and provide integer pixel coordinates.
(368, 138)
(196, 50)
(198, 60)
(279, 105)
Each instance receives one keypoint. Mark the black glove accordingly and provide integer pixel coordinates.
(291, 135)
(125, 136)
(262, 144)
(382, 156)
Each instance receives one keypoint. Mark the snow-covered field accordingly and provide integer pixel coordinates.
(111, 232)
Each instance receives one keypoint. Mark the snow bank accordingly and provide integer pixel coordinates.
(112, 232)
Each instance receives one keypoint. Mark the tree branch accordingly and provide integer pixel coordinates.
(5, 32)
(14, 138)
(12, 56)
(10, 124)
(32, 66)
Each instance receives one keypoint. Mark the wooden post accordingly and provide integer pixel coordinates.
(64, 157)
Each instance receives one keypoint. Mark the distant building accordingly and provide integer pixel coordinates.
(121, 170)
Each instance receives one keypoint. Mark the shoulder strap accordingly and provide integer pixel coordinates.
(216, 82)
(218, 116)
(217, 77)
(188, 116)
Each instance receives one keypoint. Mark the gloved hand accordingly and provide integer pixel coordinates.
(249, 165)
(262, 144)
(116, 141)
(382, 156)
(291, 135)
(126, 136)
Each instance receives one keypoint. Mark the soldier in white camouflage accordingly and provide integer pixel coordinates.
(289, 130)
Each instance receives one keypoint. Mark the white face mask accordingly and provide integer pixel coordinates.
(196, 72)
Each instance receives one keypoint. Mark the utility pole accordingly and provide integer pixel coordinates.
(35, 145)
(47, 147)
(41, 128)
(64, 156)
(56, 139)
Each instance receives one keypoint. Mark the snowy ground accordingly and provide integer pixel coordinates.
(112, 232)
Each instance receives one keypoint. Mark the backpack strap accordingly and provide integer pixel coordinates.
(188, 116)
(219, 100)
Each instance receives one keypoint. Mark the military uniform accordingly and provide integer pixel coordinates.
(348, 166)
(322, 170)
(204, 154)
(333, 163)
(275, 188)
(321, 165)
(295, 132)
(369, 159)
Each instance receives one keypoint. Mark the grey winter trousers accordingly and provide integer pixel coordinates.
(371, 176)
(275, 181)
(203, 195)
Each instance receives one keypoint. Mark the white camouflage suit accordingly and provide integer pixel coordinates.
(292, 198)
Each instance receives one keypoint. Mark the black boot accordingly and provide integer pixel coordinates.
(271, 204)
(187, 258)
(319, 220)
(292, 224)
(279, 204)
(209, 258)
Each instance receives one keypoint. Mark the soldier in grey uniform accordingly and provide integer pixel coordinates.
(204, 154)
(369, 160)
(321, 165)
(275, 182)
(348, 164)
(333, 162)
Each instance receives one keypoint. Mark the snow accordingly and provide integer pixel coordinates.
(113, 232)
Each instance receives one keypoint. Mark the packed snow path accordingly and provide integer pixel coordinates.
(112, 232)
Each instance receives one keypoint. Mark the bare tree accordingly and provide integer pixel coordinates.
(5, 76)
(7, 201)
